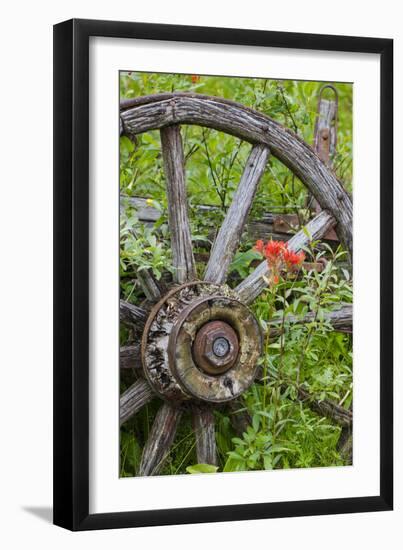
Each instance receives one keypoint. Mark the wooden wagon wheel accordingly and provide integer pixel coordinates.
(200, 342)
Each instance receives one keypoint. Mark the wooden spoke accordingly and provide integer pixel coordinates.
(323, 407)
(130, 357)
(134, 398)
(149, 284)
(178, 219)
(160, 439)
(345, 443)
(204, 428)
(326, 407)
(230, 233)
(132, 315)
(239, 416)
(253, 285)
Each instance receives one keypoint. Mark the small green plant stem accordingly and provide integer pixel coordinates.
(309, 333)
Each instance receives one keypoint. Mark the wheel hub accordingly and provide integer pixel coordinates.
(200, 342)
(216, 347)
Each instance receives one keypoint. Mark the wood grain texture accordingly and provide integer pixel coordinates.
(345, 444)
(204, 428)
(178, 218)
(134, 398)
(253, 285)
(149, 284)
(130, 357)
(325, 141)
(341, 320)
(132, 315)
(325, 135)
(158, 111)
(229, 235)
(326, 407)
(160, 439)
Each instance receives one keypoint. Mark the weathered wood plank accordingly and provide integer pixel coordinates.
(327, 408)
(178, 218)
(253, 285)
(239, 416)
(204, 428)
(229, 235)
(132, 315)
(345, 444)
(341, 320)
(325, 134)
(160, 439)
(130, 356)
(325, 139)
(156, 112)
(134, 398)
(149, 284)
(144, 211)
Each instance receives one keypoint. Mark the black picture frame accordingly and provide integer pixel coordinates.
(71, 274)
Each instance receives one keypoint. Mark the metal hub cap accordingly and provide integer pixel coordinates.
(201, 343)
(221, 347)
(216, 347)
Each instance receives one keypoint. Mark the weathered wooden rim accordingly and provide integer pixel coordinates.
(153, 112)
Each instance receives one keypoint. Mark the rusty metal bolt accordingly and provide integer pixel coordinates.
(216, 347)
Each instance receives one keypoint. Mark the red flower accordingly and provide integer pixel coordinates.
(293, 259)
(279, 258)
(259, 246)
(195, 78)
(274, 250)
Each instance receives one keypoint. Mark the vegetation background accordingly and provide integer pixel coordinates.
(283, 432)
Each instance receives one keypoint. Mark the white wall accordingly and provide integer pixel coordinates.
(25, 287)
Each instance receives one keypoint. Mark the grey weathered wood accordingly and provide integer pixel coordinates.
(130, 356)
(149, 284)
(204, 428)
(158, 111)
(132, 315)
(341, 320)
(326, 407)
(325, 139)
(325, 134)
(323, 407)
(230, 232)
(253, 285)
(134, 398)
(345, 444)
(178, 218)
(160, 439)
(144, 211)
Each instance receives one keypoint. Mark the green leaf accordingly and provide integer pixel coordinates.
(202, 469)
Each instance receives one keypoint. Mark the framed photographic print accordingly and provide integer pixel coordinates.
(222, 212)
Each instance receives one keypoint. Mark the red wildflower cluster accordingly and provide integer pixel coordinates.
(195, 78)
(279, 258)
